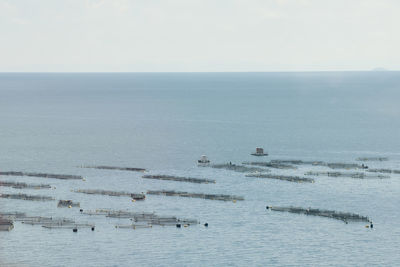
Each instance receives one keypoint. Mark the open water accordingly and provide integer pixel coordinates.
(163, 122)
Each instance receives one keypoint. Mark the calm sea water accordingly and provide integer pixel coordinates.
(164, 122)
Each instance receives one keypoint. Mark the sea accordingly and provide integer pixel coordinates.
(164, 122)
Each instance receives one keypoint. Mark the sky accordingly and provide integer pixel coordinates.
(198, 35)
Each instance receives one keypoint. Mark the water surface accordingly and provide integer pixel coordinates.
(163, 122)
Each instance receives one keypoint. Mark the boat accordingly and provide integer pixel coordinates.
(203, 161)
(259, 152)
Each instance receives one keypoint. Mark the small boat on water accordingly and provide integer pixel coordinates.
(203, 161)
(259, 152)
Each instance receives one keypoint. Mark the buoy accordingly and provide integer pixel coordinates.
(178, 226)
(75, 230)
(206, 224)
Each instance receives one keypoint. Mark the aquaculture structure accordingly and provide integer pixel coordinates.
(356, 175)
(195, 195)
(6, 224)
(47, 222)
(384, 171)
(295, 179)
(24, 185)
(27, 197)
(12, 215)
(271, 164)
(116, 168)
(163, 220)
(238, 168)
(179, 179)
(346, 166)
(43, 175)
(134, 196)
(373, 159)
(67, 204)
(297, 162)
(335, 165)
(342, 216)
(142, 219)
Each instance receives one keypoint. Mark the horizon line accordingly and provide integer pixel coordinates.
(171, 72)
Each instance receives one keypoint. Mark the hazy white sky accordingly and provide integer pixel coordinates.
(199, 35)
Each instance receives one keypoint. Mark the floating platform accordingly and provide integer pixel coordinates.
(356, 175)
(135, 196)
(24, 185)
(6, 227)
(195, 195)
(179, 179)
(295, 179)
(238, 168)
(342, 216)
(67, 203)
(116, 168)
(373, 159)
(271, 164)
(6, 224)
(27, 197)
(43, 175)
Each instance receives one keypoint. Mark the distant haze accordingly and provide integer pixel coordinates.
(198, 35)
